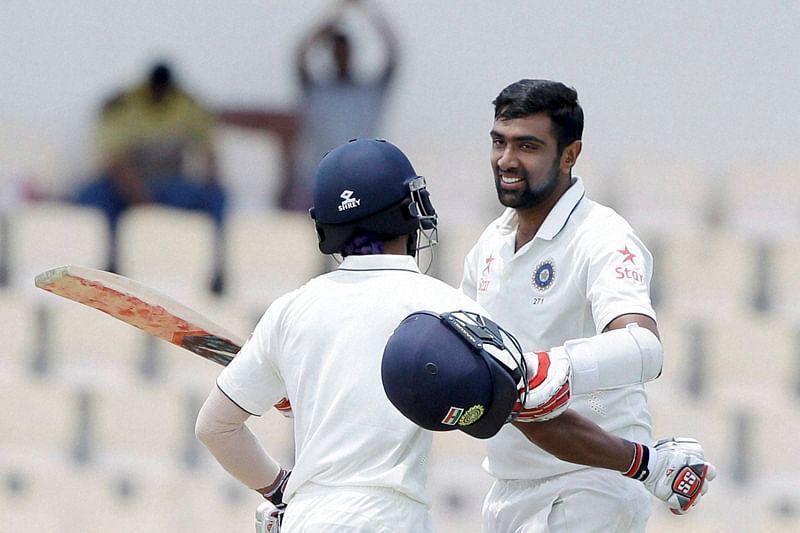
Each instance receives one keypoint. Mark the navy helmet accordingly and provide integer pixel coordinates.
(451, 371)
(369, 185)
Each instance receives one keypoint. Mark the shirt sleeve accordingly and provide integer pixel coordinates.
(252, 379)
(620, 269)
(469, 285)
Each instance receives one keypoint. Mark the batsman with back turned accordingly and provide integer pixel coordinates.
(360, 465)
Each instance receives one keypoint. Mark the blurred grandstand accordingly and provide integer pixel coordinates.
(96, 432)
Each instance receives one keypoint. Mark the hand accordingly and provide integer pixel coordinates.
(678, 474)
(548, 392)
(269, 518)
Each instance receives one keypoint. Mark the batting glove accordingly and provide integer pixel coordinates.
(269, 517)
(284, 408)
(674, 471)
(548, 390)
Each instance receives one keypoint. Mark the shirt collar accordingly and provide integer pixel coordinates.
(555, 220)
(379, 262)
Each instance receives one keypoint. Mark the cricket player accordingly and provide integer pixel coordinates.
(359, 463)
(562, 274)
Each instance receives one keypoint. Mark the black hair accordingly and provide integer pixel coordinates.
(528, 97)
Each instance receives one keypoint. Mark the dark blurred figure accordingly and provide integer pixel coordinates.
(336, 105)
(155, 146)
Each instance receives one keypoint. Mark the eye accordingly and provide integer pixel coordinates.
(528, 147)
(497, 142)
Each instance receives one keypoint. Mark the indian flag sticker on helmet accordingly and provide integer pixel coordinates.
(472, 415)
(453, 415)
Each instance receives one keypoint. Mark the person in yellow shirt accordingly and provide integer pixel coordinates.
(154, 145)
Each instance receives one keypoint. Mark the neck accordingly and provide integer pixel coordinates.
(530, 219)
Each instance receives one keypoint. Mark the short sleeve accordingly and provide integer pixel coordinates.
(252, 379)
(469, 285)
(619, 275)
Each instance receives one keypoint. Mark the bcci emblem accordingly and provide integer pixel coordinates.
(544, 275)
(471, 415)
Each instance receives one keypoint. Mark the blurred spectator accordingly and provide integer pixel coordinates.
(155, 146)
(336, 105)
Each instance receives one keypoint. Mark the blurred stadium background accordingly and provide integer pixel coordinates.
(692, 115)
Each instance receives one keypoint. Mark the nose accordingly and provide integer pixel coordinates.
(507, 159)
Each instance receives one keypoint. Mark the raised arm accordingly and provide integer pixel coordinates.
(385, 30)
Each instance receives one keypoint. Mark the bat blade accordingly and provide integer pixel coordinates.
(147, 309)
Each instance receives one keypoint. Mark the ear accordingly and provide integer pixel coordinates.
(570, 156)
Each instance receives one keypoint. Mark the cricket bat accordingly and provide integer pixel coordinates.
(140, 306)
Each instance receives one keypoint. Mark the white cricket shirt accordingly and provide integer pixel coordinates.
(583, 268)
(321, 347)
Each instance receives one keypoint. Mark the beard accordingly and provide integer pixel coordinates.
(529, 196)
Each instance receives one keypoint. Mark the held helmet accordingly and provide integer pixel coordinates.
(369, 185)
(456, 370)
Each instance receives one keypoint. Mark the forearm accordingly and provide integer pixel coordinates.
(220, 427)
(576, 439)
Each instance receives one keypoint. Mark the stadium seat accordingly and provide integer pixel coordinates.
(708, 274)
(456, 239)
(170, 250)
(86, 346)
(250, 168)
(760, 201)
(39, 414)
(752, 350)
(664, 198)
(146, 422)
(268, 255)
(19, 319)
(50, 234)
(783, 281)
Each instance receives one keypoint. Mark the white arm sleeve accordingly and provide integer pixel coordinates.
(616, 358)
(220, 427)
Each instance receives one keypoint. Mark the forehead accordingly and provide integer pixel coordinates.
(539, 125)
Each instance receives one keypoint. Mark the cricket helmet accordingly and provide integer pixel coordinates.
(456, 370)
(369, 185)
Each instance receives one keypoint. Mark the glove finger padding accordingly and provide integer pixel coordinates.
(674, 471)
(549, 392)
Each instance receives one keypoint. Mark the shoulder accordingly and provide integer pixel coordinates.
(600, 223)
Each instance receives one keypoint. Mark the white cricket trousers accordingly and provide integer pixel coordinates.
(354, 510)
(584, 501)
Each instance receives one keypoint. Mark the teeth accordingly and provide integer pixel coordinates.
(509, 180)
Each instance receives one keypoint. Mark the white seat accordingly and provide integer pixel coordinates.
(784, 283)
(751, 351)
(456, 239)
(250, 168)
(170, 250)
(39, 414)
(148, 421)
(87, 346)
(708, 274)
(19, 319)
(662, 198)
(760, 201)
(46, 235)
(268, 255)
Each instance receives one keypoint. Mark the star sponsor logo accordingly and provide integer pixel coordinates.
(348, 202)
(628, 256)
(544, 275)
(488, 268)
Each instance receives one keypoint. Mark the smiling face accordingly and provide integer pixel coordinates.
(524, 160)
(528, 170)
